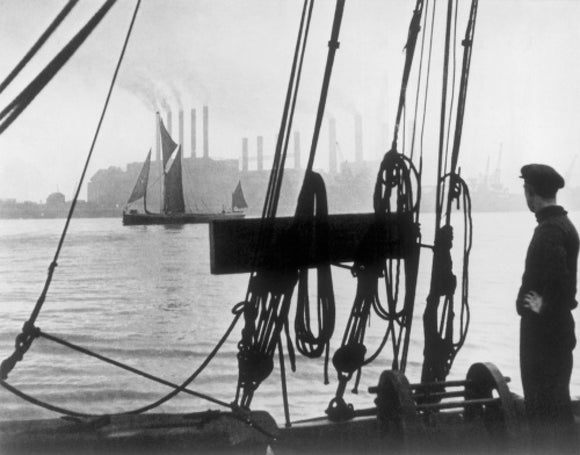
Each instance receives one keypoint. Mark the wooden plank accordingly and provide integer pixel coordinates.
(292, 243)
(197, 433)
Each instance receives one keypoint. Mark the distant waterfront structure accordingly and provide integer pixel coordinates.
(349, 183)
(55, 200)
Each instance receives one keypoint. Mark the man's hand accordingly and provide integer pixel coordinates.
(533, 301)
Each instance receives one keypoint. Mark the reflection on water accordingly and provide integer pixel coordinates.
(143, 295)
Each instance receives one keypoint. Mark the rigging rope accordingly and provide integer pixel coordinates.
(313, 206)
(333, 45)
(393, 194)
(19, 104)
(269, 292)
(414, 28)
(441, 340)
(24, 339)
(177, 388)
(276, 175)
(38, 44)
(416, 109)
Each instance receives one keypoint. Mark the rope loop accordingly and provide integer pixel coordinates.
(445, 325)
(22, 343)
(238, 308)
(313, 207)
(397, 172)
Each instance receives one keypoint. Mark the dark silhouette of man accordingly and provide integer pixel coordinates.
(545, 302)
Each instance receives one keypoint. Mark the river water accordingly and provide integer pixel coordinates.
(143, 295)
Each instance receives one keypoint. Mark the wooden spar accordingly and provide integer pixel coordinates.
(292, 241)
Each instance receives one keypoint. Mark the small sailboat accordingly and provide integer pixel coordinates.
(238, 199)
(173, 203)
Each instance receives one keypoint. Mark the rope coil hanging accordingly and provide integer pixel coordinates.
(393, 195)
(443, 335)
(268, 309)
(309, 344)
(269, 292)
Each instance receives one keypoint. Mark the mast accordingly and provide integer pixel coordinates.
(158, 155)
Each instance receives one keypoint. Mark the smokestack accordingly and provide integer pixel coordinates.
(245, 154)
(332, 146)
(193, 134)
(205, 133)
(297, 150)
(260, 153)
(169, 122)
(157, 138)
(358, 138)
(180, 126)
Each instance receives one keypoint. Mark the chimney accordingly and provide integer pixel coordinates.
(332, 146)
(168, 122)
(296, 150)
(193, 134)
(245, 154)
(157, 138)
(358, 139)
(260, 143)
(180, 126)
(205, 133)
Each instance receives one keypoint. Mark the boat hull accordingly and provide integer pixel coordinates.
(131, 219)
(222, 433)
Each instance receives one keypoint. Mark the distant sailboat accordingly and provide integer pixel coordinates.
(173, 203)
(238, 199)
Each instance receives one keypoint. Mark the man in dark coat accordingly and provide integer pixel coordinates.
(545, 301)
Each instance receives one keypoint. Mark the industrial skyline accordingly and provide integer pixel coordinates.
(235, 58)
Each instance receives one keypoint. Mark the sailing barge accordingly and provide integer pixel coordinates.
(478, 413)
(173, 211)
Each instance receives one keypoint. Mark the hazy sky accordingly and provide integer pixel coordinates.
(235, 55)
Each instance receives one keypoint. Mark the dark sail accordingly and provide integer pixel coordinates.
(238, 200)
(167, 144)
(140, 189)
(173, 197)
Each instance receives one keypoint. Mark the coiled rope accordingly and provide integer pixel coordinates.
(313, 205)
(269, 293)
(442, 338)
(393, 194)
